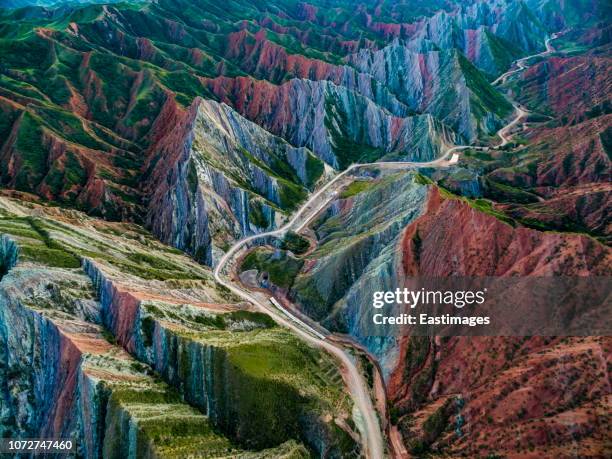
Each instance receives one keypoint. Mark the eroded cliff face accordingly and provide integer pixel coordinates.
(357, 238)
(140, 354)
(492, 376)
(49, 161)
(232, 376)
(572, 176)
(384, 81)
(420, 75)
(61, 378)
(339, 125)
(218, 177)
(440, 82)
(476, 243)
(570, 88)
(500, 26)
(266, 60)
(84, 129)
(559, 179)
(488, 388)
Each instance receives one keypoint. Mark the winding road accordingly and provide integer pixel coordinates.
(367, 419)
(521, 64)
(369, 427)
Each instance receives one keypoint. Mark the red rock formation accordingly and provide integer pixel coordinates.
(92, 86)
(576, 154)
(254, 99)
(524, 397)
(167, 138)
(572, 174)
(307, 12)
(570, 86)
(146, 49)
(261, 57)
(70, 357)
(457, 239)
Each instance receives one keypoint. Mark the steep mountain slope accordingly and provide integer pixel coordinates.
(366, 242)
(442, 83)
(95, 315)
(569, 88)
(489, 33)
(506, 385)
(559, 176)
(360, 236)
(218, 177)
(338, 125)
(207, 122)
(569, 168)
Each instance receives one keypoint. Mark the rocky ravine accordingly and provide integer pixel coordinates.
(339, 125)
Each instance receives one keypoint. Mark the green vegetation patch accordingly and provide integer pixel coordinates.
(36, 244)
(147, 266)
(266, 385)
(49, 257)
(256, 215)
(506, 193)
(295, 243)
(281, 267)
(153, 261)
(279, 382)
(195, 318)
(356, 187)
(165, 425)
(33, 153)
(504, 53)
(291, 195)
(348, 148)
(488, 98)
(486, 206)
(314, 170)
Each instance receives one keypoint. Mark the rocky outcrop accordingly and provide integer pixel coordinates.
(82, 120)
(264, 59)
(513, 23)
(60, 378)
(361, 234)
(356, 255)
(442, 83)
(432, 368)
(490, 33)
(571, 89)
(495, 249)
(459, 394)
(553, 393)
(44, 159)
(9, 252)
(218, 177)
(570, 171)
(563, 15)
